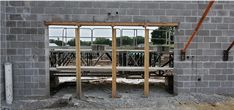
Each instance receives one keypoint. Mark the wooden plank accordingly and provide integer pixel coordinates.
(78, 65)
(173, 24)
(146, 63)
(108, 68)
(113, 62)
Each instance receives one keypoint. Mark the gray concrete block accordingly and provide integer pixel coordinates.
(165, 6)
(11, 37)
(23, 23)
(85, 4)
(216, 33)
(226, 84)
(92, 11)
(125, 18)
(15, 17)
(222, 13)
(11, 24)
(228, 20)
(10, 10)
(209, 39)
(209, 52)
(221, 65)
(16, 3)
(36, 10)
(146, 12)
(139, 18)
(222, 26)
(165, 19)
(231, 13)
(133, 12)
(153, 5)
(221, 77)
(180, 5)
(112, 4)
(215, 45)
(11, 51)
(228, 71)
(230, 77)
(215, 71)
(214, 84)
(125, 5)
(209, 77)
(202, 84)
(216, 20)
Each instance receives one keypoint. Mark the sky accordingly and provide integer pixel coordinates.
(98, 31)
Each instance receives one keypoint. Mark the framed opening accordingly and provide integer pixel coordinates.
(132, 59)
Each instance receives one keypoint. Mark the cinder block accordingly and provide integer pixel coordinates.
(11, 37)
(146, 12)
(215, 71)
(112, 4)
(93, 11)
(165, 6)
(125, 18)
(221, 65)
(216, 19)
(209, 78)
(10, 10)
(215, 45)
(85, 4)
(202, 84)
(16, 3)
(226, 84)
(223, 26)
(139, 18)
(16, 17)
(221, 77)
(222, 13)
(214, 84)
(125, 5)
(133, 12)
(153, 5)
(230, 77)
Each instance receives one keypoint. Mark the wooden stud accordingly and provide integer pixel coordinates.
(146, 63)
(78, 64)
(113, 62)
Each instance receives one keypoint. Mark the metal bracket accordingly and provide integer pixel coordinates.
(182, 55)
(225, 55)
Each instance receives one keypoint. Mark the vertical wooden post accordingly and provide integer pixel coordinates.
(78, 64)
(113, 62)
(146, 63)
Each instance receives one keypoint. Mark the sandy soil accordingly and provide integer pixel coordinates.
(97, 96)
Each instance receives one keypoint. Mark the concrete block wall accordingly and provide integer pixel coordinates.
(27, 44)
(3, 48)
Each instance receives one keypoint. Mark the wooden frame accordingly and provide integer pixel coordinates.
(173, 24)
(146, 63)
(78, 64)
(113, 62)
(114, 70)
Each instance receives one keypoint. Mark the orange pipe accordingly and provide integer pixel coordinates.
(230, 46)
(199, 24)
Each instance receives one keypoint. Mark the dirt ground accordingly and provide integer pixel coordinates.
(97, 96)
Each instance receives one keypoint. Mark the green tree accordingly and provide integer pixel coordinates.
(159, 35)
(125, 40)
(57, 42)
(102, 40)
(82, 43)
(139, 39)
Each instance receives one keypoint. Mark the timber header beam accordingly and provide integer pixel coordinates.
(71, 23)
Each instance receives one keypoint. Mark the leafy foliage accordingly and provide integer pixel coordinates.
(159, 35)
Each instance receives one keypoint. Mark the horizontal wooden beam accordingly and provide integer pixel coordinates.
(71, 23)
(108, 68)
